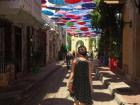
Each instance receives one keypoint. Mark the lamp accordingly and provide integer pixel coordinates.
(118, 16)
(137, 3)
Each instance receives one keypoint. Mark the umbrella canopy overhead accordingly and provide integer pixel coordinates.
(65, 8)
(89, 5)
(47, 12)
(71, 1)
(72, 15)
(86, 0)
(61, 12)
(69, 24)
(52, 7)
(81, 22)
(43, 1)
(59, 2)
(84, 28)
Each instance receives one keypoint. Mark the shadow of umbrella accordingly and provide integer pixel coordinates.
(99, 96)
(56, 101)
(99, 87)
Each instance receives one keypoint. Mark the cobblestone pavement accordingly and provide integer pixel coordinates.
(52, 91)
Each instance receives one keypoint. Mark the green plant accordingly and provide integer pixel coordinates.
(36, 58)
(69, 42)
(91, 43)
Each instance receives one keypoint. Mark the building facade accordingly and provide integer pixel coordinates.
(130, 37)
(19, 28)
(131, 41)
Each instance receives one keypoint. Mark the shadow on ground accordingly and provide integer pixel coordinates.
(99, 87)
(99, 96)
(56, 101)
(132, 90)
(50, 85)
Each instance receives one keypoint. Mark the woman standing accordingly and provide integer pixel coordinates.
(81, 79)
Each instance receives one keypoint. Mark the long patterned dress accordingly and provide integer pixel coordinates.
(81, 83)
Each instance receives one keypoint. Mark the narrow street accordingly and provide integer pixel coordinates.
(52, 91)
(39, 38)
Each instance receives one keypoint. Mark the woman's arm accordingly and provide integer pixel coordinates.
(90, 74)
(72, 73)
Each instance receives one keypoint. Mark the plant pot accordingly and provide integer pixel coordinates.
(113, 64)
(4, 79)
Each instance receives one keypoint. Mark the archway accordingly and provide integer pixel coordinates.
(79, 43)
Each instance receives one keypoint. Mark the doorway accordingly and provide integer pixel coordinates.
(18, 50)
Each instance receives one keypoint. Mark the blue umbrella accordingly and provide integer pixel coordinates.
(85, 18)
(53, 8)
(87, 15)
(47, 12)
(59, 2)
(59, 15)
(65, 8)
(66, 18)
(89, 5)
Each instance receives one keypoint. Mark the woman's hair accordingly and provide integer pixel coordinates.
(82, 50)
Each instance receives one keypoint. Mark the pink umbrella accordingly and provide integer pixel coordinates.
(72, 27)
(61, 12)
(73, 20)
(78, 7)
(69, 15)
(61, 23)
(44, 6)
(63, 20)
(43, 1)
(76, 17)
(86, 0)
(68, 30)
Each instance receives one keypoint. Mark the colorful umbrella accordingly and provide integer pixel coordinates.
(43, 5)
(72, 27)
(69, 24)
(47, 12)
(81, 22)
(86, 18)
(61, 12)
(73, 20)
(63, 20)
(65, 8)
(76, 17)
(66, 18)
(78, 7)
(52, 7)
(59, 2)
(89, 5)
(71, 1)
(86, 0)
(83, 28)
(61, 23)
(69, 15)
(59, 15)
(43, 1)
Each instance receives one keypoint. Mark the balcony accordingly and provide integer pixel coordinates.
(50, 22)
(21, 11)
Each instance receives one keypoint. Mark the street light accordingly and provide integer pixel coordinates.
(119, 18)
(137, 3)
